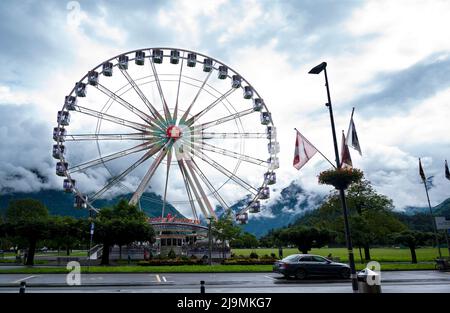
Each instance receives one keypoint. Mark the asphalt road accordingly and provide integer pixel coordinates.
(398, 281)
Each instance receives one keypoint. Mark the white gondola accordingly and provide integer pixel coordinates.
(273, 162)
(59, 133)
(93, 78)
(258, 104)
(174, 56)
(242, 218)
(266, 118)
(58, 151)
(264, 193)
(207, 65)
(123, 62)
(270, 177)
(80, 202)
(236, 81)
(107, 69)
(68, 185)
(157, 56)
(223, 72)
(61, 168)
(248, 92)
(140, 58)
(273, 147)
(255, 207)
(80, 89)
(70, 103)
(63, 118)
(191, 59)
(271, 132)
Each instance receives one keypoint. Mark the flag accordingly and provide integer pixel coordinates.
(447, 172)
(346, 159)
(304, 151)
(421, 172)
(430, 183)
(352, 136)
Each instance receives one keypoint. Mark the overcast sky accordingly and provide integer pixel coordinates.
(388, 59)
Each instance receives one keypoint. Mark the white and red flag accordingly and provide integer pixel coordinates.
(346, 159)
(304, 151)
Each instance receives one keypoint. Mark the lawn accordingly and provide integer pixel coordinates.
(377, 254)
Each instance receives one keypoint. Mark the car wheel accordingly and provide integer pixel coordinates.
(300, 274)
(345, 273)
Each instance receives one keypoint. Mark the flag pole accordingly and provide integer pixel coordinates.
(432, 217)
(316, 148)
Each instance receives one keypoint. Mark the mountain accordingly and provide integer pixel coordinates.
(292, 202)
(61, 203)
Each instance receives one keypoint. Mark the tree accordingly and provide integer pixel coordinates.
(27, 219)
(305, 238)
(412, 239)
(371, 216)
(66, 231)
(121, 224)
(225, 230)
(246, 240)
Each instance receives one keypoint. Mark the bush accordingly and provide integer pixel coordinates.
(171, 254)
(273, 255)
(253, 255)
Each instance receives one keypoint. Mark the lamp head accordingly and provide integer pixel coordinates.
(318, 68)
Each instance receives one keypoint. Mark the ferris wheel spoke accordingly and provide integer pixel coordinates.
(157, 117)
(208, 184)
(189, 194)
(119, 177)
(92, 163)
(211, 135)
(209, 107)
(169, 160)
(186, 114)
(133, 136)
(175, 113)
(148, 176)
(223, 119)
(190, 185)
(203, 196)
(145, 117)
(243, 157)
(161, 94)
(111, 118)
(205, 158)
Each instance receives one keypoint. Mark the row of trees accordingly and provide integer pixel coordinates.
(28, 224)
(371, 218)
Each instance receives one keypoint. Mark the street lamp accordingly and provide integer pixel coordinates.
(317, 70)
(210, 219)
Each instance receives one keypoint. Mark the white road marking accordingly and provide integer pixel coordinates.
(272, 278)
(22, 279)
(164, 279)
(158, 278)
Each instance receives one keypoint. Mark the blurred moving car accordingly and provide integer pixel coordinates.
(301, 266)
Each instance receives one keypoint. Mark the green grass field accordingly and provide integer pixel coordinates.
(377, 254)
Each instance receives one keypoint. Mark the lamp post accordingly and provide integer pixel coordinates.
(317, 70)
(210, 240)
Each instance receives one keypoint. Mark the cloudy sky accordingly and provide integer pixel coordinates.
(388, 59)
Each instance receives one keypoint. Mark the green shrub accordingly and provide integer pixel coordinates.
(253, 255)
(171, 254)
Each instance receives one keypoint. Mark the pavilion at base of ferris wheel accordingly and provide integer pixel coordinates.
(186, 237)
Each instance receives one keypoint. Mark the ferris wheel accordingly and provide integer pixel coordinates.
(176, 123)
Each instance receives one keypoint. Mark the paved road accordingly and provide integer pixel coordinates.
(399, 281)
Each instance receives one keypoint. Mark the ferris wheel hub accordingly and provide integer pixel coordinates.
(173, 132)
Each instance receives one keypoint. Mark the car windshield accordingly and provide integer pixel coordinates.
(291, 258)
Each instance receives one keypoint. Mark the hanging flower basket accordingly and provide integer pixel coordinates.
(340, 178)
